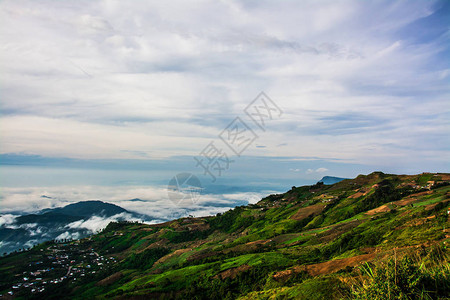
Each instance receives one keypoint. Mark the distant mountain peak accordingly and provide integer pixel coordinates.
(51, 223)
(91, 207)
(331, 180)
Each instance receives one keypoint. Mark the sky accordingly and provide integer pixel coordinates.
(91, 89)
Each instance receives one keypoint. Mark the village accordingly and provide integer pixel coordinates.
(60, 263)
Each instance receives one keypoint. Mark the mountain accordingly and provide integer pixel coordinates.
(331, 180)
(377, 236)
(89, 208)
(73, 221)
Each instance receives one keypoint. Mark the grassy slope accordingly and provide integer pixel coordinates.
(307, 243)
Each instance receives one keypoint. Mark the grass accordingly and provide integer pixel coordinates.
(266, 258)
(311, 289)
(402, 278)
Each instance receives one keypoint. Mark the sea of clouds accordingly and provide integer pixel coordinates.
(150, 201)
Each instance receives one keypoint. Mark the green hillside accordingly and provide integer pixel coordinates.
(378, 236)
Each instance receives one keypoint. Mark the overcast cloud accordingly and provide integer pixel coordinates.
(363, 81)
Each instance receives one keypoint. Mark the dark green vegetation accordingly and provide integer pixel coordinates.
(88, 208)
(378, 236)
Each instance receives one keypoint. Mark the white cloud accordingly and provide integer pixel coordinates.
(250, 197)
(153, 201)
(68, 235)
(96, 223)
(7, 219)
(316, 171)
(111, 79)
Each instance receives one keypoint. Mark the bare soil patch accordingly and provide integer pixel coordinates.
(233, 272)
(380, 209)
(356, 195)
(304, 212)
(421, 194)
(338, 264)
(405, 201)
(337, 230)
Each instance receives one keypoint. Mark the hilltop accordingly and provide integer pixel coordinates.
(362, 238)
(88, 209)
(331, 179)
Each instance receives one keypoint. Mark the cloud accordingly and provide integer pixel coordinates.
(148, 80)
(153, 201)
(316, 171)
(68, 235)
(249, 197)
(96, 223)
(7, 219)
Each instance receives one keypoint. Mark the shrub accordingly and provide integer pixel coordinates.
(146, 258)
(402, 279)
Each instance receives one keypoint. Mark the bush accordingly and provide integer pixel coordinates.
(145, 259)
(402, 279)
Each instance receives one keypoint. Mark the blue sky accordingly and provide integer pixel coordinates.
(363, 86)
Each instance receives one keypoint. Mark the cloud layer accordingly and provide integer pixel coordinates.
(152, 201)
(365, 81)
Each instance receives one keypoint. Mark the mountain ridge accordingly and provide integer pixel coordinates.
(88, 208)
(312, 242)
